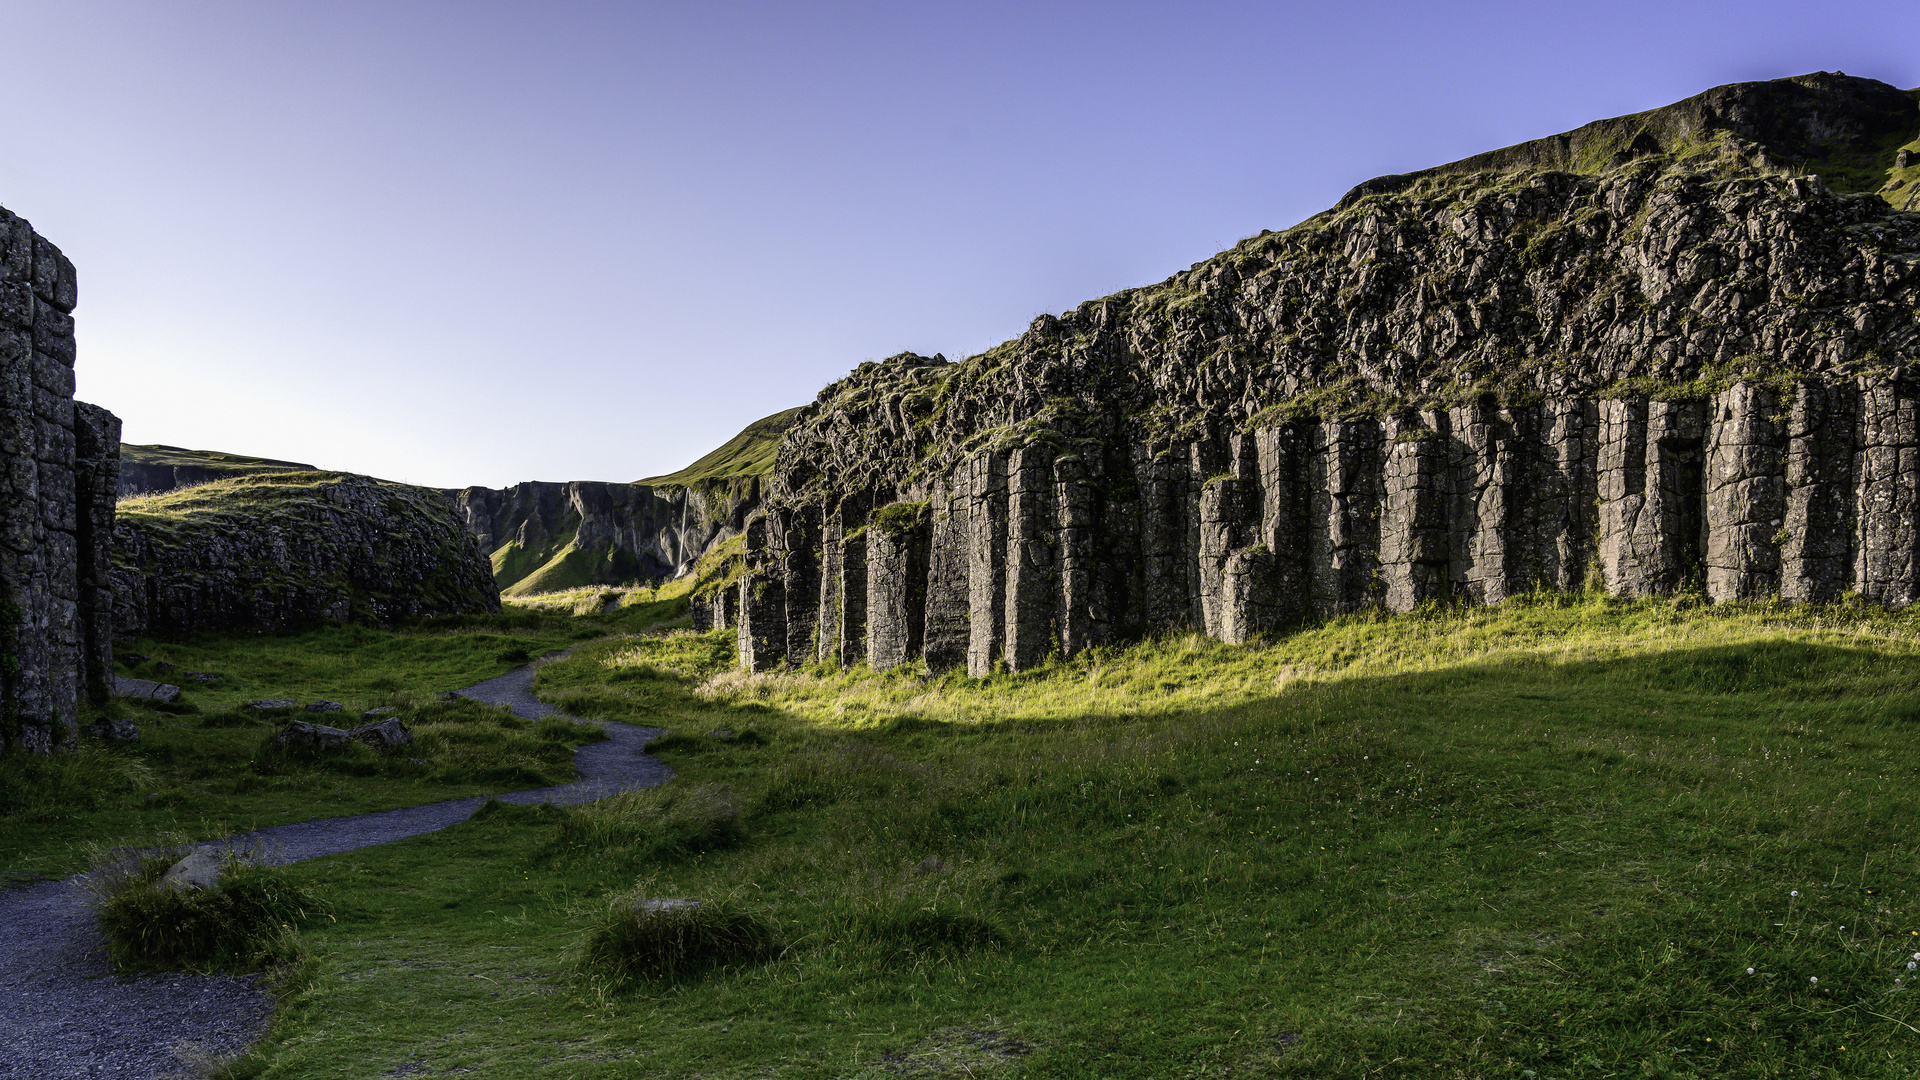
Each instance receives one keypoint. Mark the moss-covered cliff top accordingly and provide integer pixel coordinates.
(270, 499)
(749, 453)
(171, 456)
(1749, 232)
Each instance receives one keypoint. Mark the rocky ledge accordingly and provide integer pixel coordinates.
(280, 550)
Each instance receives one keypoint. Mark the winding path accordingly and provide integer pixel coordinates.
(65, 1014)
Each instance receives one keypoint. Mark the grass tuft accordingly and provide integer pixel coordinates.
(662, 824)
(631, 942)
(248, 921)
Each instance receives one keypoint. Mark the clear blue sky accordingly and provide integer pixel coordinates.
(477, 243)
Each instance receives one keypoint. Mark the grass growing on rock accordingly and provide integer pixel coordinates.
(1551, 837)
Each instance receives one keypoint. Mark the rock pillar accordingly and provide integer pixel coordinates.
(1074, 520)
(1745, 494)
(1651, 494)
(1031, 584)
(1343, 539)
(1414, 542)
(1818, 524)
(763, 624)
(1887, 473)
(949, 605)
(986, 486)
(897, 542)
(852, 616)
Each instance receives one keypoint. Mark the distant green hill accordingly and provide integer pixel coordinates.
(749, 453)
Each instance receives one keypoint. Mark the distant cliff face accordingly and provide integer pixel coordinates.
(280, 550)
(1665, 351)
(545, 536)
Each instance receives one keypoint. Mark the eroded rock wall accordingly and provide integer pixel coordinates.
(1682, 363)
(59, 471)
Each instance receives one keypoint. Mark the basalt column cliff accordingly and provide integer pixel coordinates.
(59, 472)
(1667, 351)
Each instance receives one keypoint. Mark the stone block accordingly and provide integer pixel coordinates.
(1344, 477)
(852, 615)
(1887, 492)
(1031, 569)
(1414, 540)
(949, 600)
(986, 500)
(897, 547)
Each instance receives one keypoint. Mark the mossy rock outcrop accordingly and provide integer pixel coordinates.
(278, 550)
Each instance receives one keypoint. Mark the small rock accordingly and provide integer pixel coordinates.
(304, 736)
(201, 676)
(116, 729)
(1903, 159)
(272, 703)
(324, 706)
(163, 666)
(132, 658)
(384, 710)
(929, 865)
(664, 907)
(416, 761)
(200, 870)
(145, 689)
(383, 735)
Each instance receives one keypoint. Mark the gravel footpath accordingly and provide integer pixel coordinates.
(65, 1014)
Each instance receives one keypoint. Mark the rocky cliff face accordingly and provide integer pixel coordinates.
(1664, 351)
(281, 550)
(544, 536)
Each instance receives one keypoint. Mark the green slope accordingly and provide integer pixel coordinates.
(749, 453)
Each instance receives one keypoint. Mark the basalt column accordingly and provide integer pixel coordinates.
(948, 600)
(1564, 492)
(852, 616)
(1650, 481)
(896, 586)
(1344, 481)
(1493, 448)
(1886, 474)
(986, 486)
(1815, 557)
(1237, 570)
(1745, 494)
(1031, 584)
(1074, 519)
(96, 482)
(1414, 543)
(796, 537)
(1164, 482)
(762, 624)
(1284, 508)
(827, 611)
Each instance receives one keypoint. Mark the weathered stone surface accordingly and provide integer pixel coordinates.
(794, 533)
(1344, 477)
(985, 479)
(114, 729)
(274, 551)
(948, 630)
(1031, 583)
(1746, 488)
(1414, 539)
(269, 704)
(1815, 560)
(145, 689)
(762, 626)
(324, 706)
(852, 632)
(301, 735)
(1887, 474)
(897, 544)
(199, 870)
(383, 735)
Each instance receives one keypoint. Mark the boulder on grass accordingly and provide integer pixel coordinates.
(145, 689)
(115, 729)
(383, 735)
(272, 703)
(200, 870)
(384, 710)
(324, 706)
(300, 735)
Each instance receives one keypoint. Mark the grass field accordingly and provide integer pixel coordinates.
(1546, 840)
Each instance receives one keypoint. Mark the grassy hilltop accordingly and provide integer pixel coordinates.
(1547, 837)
